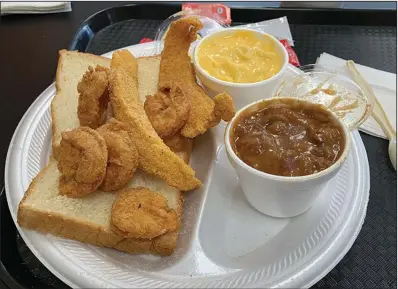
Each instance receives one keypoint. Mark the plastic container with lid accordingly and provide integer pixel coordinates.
(345, 98)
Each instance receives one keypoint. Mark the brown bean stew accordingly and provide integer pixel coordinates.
(287, 137)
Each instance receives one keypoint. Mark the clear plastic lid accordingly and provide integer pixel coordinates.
(344, 97)
(210, 25)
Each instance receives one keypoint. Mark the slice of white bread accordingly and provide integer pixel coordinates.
(88, 219)
(71, 67)
(148, 75)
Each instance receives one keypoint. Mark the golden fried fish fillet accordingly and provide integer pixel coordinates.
(93, 97)
(123, 58)
(82, 160)
(176, 67)
(167, 110)
(141, 213)
(122, 155)
(154, 156)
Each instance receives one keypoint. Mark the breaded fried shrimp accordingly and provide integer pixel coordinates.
(167, 110)
(93, 97)
(122, 155)
(141, 213)
(82, 160)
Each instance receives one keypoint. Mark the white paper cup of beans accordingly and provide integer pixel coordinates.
(288, 196)
(275, 195)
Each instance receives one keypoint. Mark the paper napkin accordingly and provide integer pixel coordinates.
(34, 7)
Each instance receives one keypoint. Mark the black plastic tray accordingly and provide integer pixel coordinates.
(368, 37)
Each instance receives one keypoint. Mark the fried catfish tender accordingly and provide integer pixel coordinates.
(93, 97)
(154, 156)
(141, 213)
(82, 161)
(122, 155)
(123, 58)
(176, 67)
(167, 110)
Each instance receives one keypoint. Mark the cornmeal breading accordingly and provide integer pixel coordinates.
(154, 156)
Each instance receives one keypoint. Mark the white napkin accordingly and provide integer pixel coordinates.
(384, 87)
(34, 7)
(278, 28)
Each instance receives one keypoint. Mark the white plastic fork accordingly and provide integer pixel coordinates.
(378, 112)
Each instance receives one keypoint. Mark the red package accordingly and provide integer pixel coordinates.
(144, 40)
(219, 12)
(293, 59)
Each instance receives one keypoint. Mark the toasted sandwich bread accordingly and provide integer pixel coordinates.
(88, 219)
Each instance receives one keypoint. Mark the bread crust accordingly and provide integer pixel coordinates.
(58, 225)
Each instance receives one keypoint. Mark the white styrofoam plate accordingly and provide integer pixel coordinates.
(223, 242)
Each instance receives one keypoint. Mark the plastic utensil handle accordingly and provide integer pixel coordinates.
(378, 112)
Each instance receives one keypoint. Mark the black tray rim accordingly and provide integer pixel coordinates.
(333, 16)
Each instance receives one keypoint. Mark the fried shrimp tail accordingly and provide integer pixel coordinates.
(82, 160)
(93, 97)
(122, 155)
(141, 213)
(224, 109)
(176, 68)
(180, 145)
(155, 157)
(167, 110)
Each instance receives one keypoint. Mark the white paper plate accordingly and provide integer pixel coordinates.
(223, 241)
